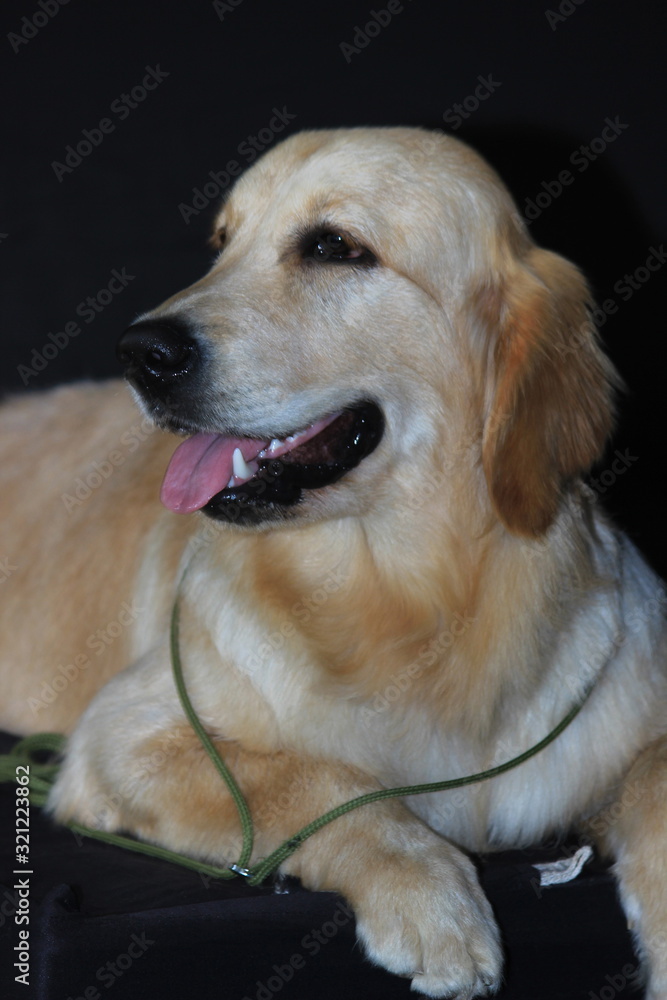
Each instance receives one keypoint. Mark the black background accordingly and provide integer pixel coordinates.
(556, 78)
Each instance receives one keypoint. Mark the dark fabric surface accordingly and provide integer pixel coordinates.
(103, 919)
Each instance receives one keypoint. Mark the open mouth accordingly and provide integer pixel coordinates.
(246, 480)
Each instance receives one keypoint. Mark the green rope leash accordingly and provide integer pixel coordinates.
(209, 746)
(269, 864)
(31, 750)
(29, 753)
(274, 860)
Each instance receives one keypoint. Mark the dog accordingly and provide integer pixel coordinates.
(389, 568)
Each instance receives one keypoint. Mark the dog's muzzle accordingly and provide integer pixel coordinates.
(166, 364)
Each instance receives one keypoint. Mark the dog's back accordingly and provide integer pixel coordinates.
(80, 473)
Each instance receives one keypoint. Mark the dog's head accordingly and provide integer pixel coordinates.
(378, 323)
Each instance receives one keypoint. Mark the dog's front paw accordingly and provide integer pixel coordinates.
(78, 796)
(430, 921)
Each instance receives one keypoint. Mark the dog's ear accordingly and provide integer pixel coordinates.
(551, 409)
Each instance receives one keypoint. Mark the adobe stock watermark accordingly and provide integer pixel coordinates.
(115, 968)
(102, 811)
(96, 643)
(103, 808)
(625, 288)
(8, 906)
(101, 470)
(631, 624)
(32, 24)
(457, 799)
(630, 283)
(486, 86)
(222, 7)
(637, 620)
(565, 9)
(247, 150)
(631, 795)
(364, 34)
(303, 612)
(402, 680)
(88, 310)
(631, 975)
(7, 567)
(581, 158)
(605, 480)
(121, 107)
(433, 481)
(616, 982)
(311, 943)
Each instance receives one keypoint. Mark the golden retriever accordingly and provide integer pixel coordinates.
(390, 395)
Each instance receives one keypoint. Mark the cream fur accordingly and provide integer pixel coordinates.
(435, 612)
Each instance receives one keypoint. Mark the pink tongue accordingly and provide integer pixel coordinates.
(201, 467)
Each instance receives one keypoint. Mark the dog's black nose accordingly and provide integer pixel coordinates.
(156, 353)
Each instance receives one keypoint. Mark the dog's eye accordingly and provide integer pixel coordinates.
(333, 248)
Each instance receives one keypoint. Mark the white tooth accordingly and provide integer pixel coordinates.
(241, 469)
(270, 448)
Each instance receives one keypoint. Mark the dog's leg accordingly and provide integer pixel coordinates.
(420, 910)
(634, 829)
